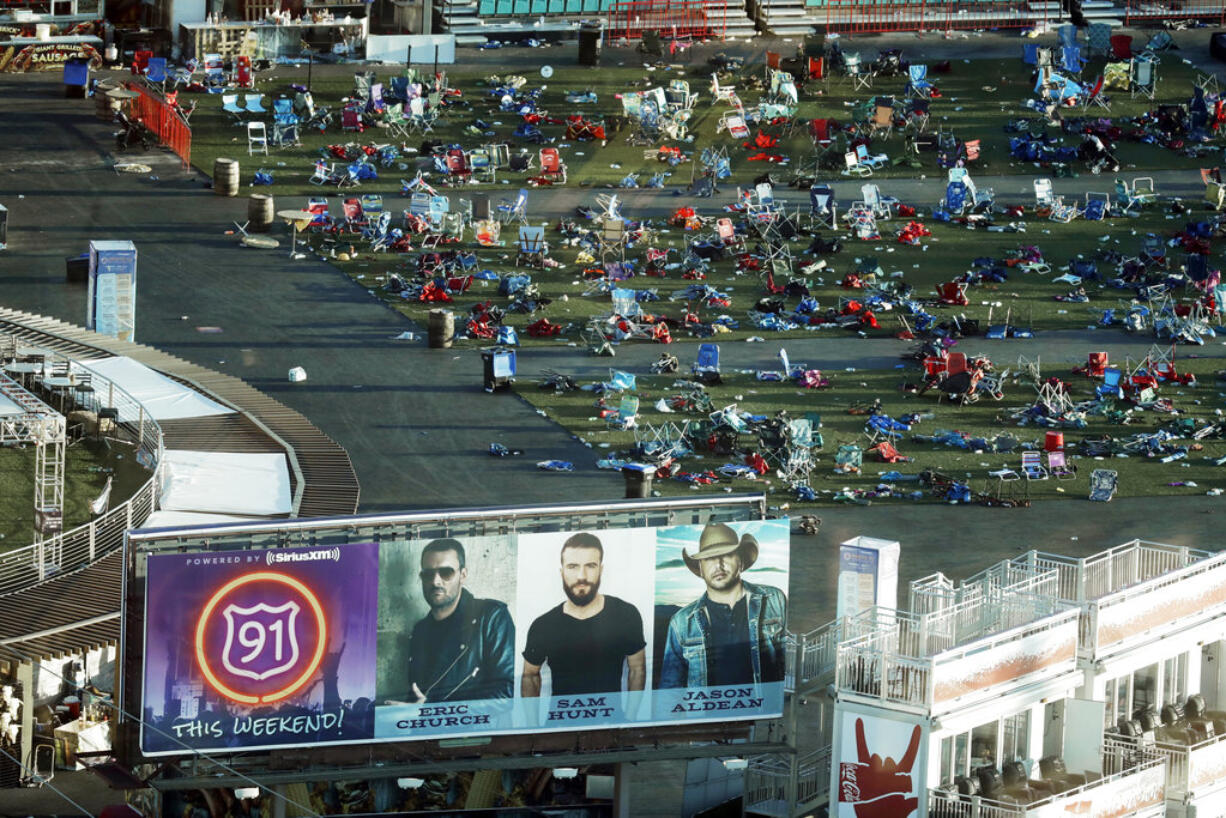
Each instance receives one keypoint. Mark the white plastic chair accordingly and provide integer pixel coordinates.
(1043, 196)
(257, 138)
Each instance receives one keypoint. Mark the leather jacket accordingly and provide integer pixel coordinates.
(480, 665)
(685, 654)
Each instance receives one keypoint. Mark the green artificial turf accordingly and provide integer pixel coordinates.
(86, 466)
(977, 100)
(578, 412)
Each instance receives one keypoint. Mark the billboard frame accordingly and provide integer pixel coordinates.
(691, 741)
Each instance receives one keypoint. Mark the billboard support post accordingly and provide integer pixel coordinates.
(793, 786)
(621, 791)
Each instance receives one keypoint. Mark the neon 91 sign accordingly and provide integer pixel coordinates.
(260, 637)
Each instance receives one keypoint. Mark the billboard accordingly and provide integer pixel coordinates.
(875, 773)
(406, 640)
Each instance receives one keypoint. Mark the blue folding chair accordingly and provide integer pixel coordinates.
(155, 72)
(918, 84)
(955, 198)
(707, 365)
(1110, 387)
(1067, 34)
(1071, 59)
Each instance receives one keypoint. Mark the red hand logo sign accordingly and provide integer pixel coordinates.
(877, 787)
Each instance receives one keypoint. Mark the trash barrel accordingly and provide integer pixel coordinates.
(260, 210)
(499, 367)
(590, 32)
(77, 269)
(225, 177)
(638, 480)
(1054, 442)
(442, 329)
(102, 104)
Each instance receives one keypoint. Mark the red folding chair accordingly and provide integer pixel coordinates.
(1121, 46)
(140, 62)
(817, 68)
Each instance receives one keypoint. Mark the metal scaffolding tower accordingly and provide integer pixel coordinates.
(38, 423)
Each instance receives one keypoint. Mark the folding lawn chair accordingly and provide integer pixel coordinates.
(514, 209)
(956, 198)
(823, 209)
(1043, 196)
(1121, 46)
(613, 239)
(734, 123)
(1215, 194)
(253, 104)
(1136, 196)
(870, 197)
(214, 71)
(229, 104)
(882, 121)
(1103, 484)
(531, 246)
(1144, 78)
(1098, 39)
(861, 76)
(1098, 206)
(1032, 466)
(917, 81)
(1059, 468)
(719, 93)
(552, 166)
(627, 413)
(854, 167)
(873, 160)
(155, 73)
(1071, 60)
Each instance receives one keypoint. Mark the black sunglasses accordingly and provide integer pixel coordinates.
(445, 573)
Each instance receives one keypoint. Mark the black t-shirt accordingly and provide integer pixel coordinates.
(728, 658)
(436, 643)
(586, 655)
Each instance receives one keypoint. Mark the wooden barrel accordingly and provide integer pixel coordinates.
(260, 212)
(225, 177)
(442, 329)
(106, 107)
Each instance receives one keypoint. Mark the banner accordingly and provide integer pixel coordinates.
(425, 639)
(46, 56)
(876, 775)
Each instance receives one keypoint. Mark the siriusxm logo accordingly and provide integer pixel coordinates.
(276, 557)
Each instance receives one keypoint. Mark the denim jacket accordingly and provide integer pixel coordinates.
(685, 654)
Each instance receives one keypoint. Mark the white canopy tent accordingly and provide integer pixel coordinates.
(175, 519)
(254, 485)
(162, 398)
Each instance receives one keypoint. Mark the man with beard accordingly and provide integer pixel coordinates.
(464, 649)
(734, 633)
(588, 638)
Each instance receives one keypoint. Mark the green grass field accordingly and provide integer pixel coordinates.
(1139, 475)
(977, 100)
(86, 467)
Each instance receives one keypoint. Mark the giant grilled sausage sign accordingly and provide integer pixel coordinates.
(46, 56)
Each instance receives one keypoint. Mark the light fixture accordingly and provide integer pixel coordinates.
(735, 764)
(247, 793)
(565, 772)
(410, 783)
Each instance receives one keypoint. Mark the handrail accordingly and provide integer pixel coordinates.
(77, 547)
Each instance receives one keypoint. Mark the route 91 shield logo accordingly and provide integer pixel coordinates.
(260, 637)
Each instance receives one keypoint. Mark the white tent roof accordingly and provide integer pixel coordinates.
(175, 519)
(7, 407)
(225, 483)
(162, 398)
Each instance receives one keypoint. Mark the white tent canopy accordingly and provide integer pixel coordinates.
(177, 519)
(8, 407)
(225, 483)
(162, 398)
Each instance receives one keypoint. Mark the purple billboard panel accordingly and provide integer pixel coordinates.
(260, 649)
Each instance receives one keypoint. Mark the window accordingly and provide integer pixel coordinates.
(1145, 688)
(947, 760)
(960, 753)
(1110, 713)
(1175, 679)
(1016, 744)
(983, 745)
(1123, 704)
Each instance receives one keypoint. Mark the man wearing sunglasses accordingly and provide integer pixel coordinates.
(464, 649)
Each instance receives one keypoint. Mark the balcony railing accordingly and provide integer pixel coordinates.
(891, 665)
(1193, 770)
(1133, 784)
(766, 782)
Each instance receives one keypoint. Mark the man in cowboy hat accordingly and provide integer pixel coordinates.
(732, 634)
